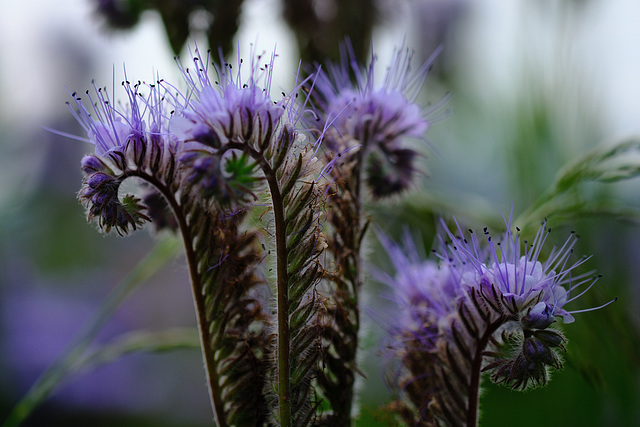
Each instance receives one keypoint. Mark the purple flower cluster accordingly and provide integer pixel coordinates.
(532, 290)
(378, 119)
(536, 291)
(236, 113)
(426, 292)
(229, 114)
(110, 128)
(224, 136)
(228, 110)
(499, 297)
(143, 138)
(128, 138)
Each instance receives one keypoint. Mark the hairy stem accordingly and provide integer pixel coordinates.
(345, 217)
(476, 367)
(282, 284)
(196, 287)
(284, 388)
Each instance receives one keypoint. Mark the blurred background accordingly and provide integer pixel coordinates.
(534, 85)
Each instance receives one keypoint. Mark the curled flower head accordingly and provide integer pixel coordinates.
(106, 127)
(478, 307)
(377, 118)
(534, 289)
(229, 109)
(100, 195)
(130, 139)
(523, 293)
(229, 114)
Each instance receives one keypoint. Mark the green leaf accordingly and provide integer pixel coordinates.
(139, 341)
(604, 163)
(565, 199)
(241, 171)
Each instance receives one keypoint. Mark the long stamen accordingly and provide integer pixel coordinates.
(594, 308)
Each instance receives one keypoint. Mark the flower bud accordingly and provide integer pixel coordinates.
(207, 136)
(550, 337)
(99, 180)
(91, 163)
(540, 316)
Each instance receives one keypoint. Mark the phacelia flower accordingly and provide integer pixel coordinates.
(426, 291)
(534, 289)
(129, 140)
(228, 109)
(228, 113)
(478, 307)
(106, 127)
(100, 193)
(376, 118)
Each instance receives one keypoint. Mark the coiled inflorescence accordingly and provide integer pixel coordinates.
(477, 308)
(129, 140)
(371, 122)
(224, 124)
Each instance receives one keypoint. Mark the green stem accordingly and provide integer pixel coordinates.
(213, 380)
(284, 387)
(476, 374)
(284, 391)
(203, 326)
(282, 284)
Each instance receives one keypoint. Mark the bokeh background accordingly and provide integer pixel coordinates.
(534, 85)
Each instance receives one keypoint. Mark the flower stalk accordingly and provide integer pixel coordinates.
(282, 289)
(365, 147)
(213, 380)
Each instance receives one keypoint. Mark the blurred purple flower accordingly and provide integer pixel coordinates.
(377, 118)
(426, 292)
